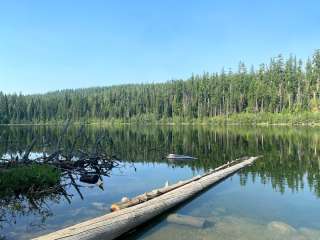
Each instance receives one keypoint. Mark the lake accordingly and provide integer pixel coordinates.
(276, 198)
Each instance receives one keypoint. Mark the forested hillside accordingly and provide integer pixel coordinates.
(283, 85)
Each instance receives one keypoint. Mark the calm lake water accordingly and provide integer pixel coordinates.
(276, 198)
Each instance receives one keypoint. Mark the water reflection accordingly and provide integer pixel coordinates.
(252, 212)
(290, 165)
(289, 154)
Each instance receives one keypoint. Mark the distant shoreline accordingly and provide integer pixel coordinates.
(241, 119)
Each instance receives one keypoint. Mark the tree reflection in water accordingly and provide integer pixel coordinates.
(291, 159)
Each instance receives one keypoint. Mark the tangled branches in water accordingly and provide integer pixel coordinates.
(72, 158)
(28, 178)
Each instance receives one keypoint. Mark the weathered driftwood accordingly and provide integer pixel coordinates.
(157, 192)
(190, 221)
(149, 195)
(115, 224)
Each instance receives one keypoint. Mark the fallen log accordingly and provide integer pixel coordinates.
(157, 192)
(190, 221)
(115, 224)
(149, 195)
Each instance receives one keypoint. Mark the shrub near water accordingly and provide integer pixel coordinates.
(27, 179)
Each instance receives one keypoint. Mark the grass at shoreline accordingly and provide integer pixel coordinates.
(259, 119)
(24, 179)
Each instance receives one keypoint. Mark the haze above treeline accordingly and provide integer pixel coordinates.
(283, 85)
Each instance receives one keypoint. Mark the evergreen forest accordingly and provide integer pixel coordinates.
(284, 85)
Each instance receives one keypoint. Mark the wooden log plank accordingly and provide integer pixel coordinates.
(113, 225)
(157, 192)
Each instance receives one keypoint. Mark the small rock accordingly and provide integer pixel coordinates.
(124, 199)
(281, 227)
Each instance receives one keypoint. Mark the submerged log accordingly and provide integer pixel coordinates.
(190, 221)
(115, 224)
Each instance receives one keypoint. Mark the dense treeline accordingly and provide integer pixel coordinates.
(283, 85)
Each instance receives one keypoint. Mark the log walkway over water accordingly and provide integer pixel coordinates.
(131, 213)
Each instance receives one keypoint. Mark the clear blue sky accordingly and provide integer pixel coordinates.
(48, 45)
